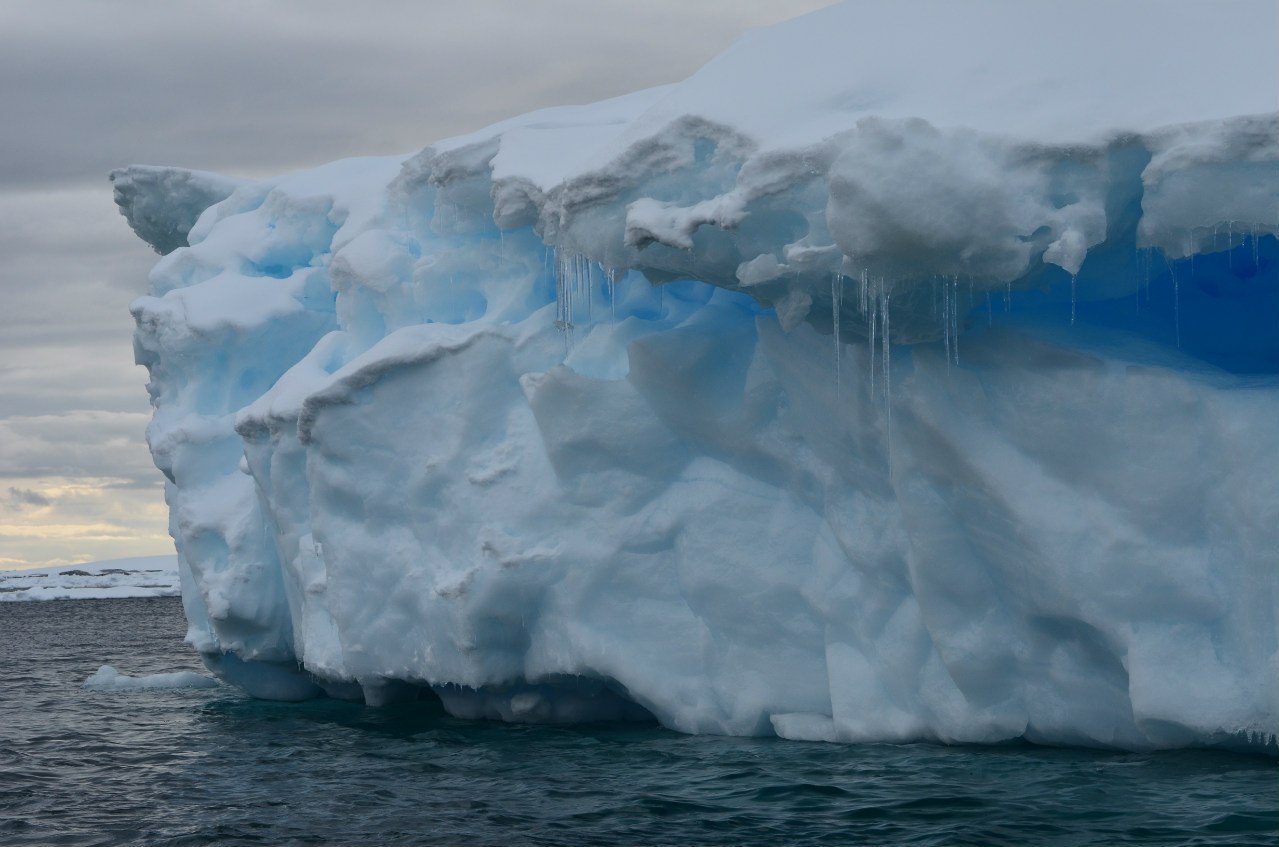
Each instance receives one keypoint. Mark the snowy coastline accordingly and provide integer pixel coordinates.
(139, 576)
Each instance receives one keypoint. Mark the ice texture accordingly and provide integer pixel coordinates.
(909, 372)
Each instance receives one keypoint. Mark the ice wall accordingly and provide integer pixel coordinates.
(846, 394)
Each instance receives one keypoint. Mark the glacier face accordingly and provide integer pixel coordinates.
(834, 394)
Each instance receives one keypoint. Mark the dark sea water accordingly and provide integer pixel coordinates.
(190, 767)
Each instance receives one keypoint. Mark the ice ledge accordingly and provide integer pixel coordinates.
(163, 203)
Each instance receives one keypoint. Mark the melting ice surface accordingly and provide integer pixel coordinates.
(909, 372)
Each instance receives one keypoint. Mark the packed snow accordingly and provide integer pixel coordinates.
(909, 372)
(140, 576)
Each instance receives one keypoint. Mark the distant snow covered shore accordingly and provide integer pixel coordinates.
(142, 576)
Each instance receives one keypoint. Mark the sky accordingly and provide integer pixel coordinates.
(248, 88)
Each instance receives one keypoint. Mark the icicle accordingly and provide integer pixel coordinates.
(570, 311)
(1176, 299)
(564, 284)
(836, 308)
(945, 287)
(1074, 297)
(1140, 265)
(613, 276)
(954, 315)
(885, 298)
(884, 295)
(1150, 266)
(873, 317)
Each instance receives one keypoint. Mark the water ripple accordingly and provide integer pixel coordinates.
(205, 767)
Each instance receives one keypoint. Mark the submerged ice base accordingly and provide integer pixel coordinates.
(872, 429)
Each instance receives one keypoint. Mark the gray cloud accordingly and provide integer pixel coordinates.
(20, 498)
(82, 444)
(70, 268)
(245, 86)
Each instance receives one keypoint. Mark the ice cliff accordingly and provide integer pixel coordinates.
(909, 372)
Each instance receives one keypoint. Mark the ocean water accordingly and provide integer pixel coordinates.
(195, 767)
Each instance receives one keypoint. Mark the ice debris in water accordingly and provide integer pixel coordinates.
(403, 456)
(107, 678)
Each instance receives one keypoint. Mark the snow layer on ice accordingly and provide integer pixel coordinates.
(1054, 73)
(910, 372)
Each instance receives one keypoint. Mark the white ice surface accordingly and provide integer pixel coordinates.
(1048, 72)
(909, 372)
(139, 576)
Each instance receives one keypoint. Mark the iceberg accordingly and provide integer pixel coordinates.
(909, 372)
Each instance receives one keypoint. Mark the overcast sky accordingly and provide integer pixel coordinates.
(248, 88)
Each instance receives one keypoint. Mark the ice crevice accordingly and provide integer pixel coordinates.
(835, 396)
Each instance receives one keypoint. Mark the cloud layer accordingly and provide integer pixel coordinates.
(248, 86)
